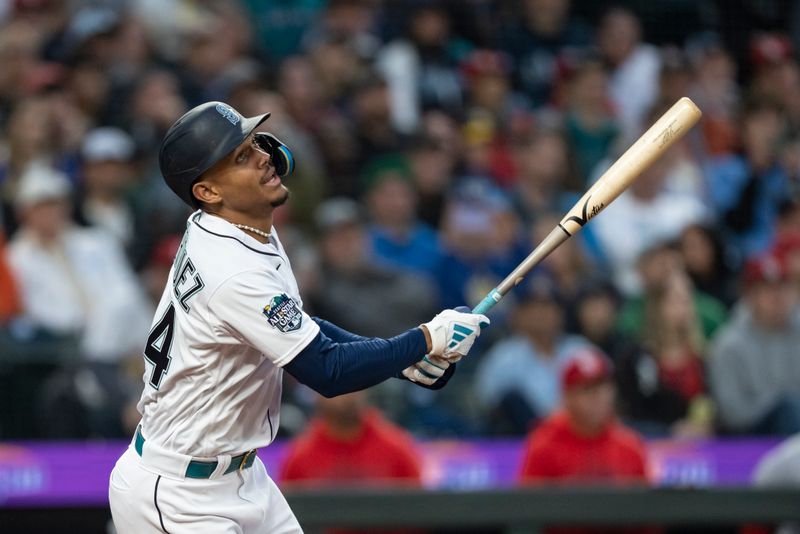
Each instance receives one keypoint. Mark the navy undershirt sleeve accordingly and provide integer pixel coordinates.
(332, 368)
(337, 333)
(340, 335)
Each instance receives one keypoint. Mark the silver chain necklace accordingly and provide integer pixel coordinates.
(254, 230)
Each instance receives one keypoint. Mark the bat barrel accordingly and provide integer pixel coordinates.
(666, 131)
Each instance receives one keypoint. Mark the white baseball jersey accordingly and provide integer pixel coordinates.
(230, 317)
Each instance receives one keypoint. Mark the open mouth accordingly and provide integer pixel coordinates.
(271, 178)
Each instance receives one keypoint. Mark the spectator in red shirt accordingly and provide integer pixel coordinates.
(9, 295)
(583, 442)
(349, 442)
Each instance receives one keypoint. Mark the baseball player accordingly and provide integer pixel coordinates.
(229, 323)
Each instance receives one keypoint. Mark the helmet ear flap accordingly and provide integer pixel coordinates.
(281, 155)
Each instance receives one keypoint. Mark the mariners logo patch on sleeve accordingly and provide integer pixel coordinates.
(282, 313)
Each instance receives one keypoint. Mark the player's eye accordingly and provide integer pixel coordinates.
(242, 157)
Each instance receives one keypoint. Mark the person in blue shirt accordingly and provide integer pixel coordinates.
(747, 189)
(398, 238)
(517, 381)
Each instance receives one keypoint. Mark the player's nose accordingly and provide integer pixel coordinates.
(263, 159)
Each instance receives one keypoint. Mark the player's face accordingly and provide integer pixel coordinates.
(246, 181)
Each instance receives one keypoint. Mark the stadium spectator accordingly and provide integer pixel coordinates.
(635, 66)
(374, 133)
(73, 279)
(594, 314)
(786, 246)
(338, 69)
(788, 223)
(107, 175)
(397, 237)
(352, 277)
(644, 214)
(776, 75)
(349, 443)
(9, 295)
(494, 116)
(655, 266)
(779, 468)
(715, 90)
(77, 281)
(155, 103)
(754, 370)
(517, 381)
(279, 27)
(216, 44)
(583, 442)
(707, 263)
(480, 241)
(676, 77)
(30, 136)
(541, 41)
(352, 21)
(487, 78)
(589, 121)
(432, 169)
(662, 382)
(544, 172)
(746, 190)
(421, 67)
(486, 151)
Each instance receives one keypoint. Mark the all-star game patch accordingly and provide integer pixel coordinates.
(282, 313)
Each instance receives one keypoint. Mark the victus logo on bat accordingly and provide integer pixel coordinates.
(586, 214)
(283, 313)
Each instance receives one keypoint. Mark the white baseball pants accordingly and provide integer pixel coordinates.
(145, 499)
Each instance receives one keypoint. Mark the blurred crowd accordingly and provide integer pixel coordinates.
(437, 142)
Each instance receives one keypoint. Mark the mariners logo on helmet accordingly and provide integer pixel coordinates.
(282, 313)
(228, 112)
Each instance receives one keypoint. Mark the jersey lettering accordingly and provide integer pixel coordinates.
(158, 346)
(184, 268)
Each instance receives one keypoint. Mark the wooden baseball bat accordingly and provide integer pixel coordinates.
(653, 143)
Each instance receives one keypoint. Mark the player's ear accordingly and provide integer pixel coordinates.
(206, 192)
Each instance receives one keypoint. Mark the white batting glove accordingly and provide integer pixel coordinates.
(454, 332)
(427, 371)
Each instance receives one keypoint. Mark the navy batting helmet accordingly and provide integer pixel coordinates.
(205, 135)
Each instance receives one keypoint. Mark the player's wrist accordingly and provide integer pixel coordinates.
(428, 340)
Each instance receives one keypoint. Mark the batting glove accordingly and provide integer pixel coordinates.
(428, 371)
(453, 333)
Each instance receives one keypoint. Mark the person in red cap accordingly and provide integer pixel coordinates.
(350, 443)
(583, 442)
(754, 369)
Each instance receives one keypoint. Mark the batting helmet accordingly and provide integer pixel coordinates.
(205, 135)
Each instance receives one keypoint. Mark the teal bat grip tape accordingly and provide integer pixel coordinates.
(488, 302)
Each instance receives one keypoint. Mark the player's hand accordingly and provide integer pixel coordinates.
(430, 372)
(453, 332)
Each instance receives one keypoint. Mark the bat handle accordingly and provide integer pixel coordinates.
(488, 302)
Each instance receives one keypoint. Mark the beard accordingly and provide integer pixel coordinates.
(280, 201)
